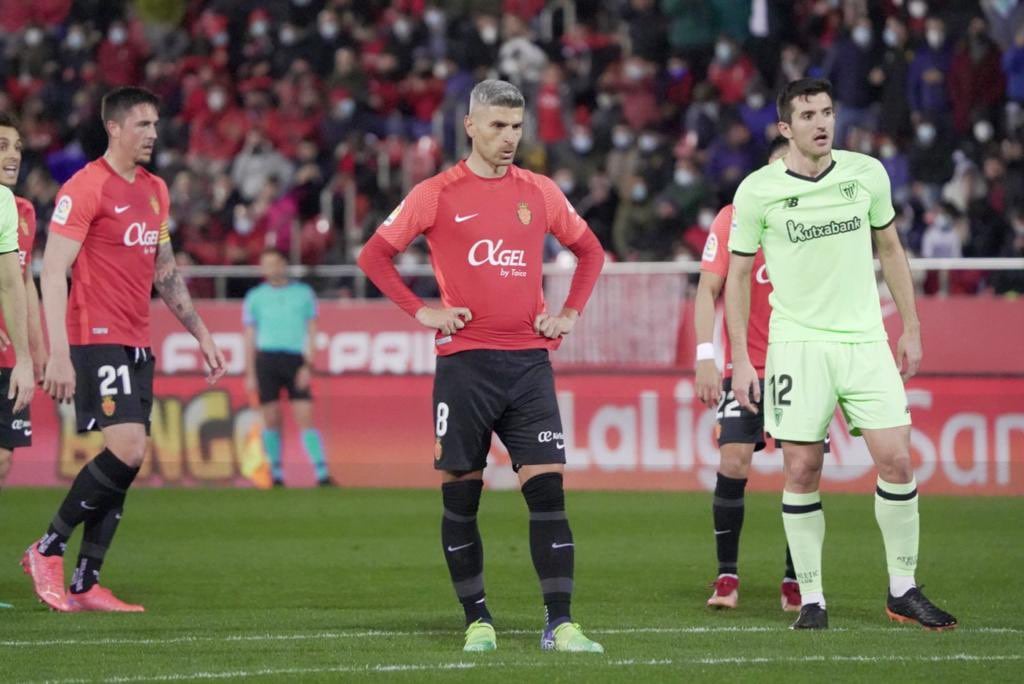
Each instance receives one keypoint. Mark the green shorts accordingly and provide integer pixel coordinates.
(803, 381)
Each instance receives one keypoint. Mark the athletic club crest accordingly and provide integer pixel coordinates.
(524, 213)
(155, 204)
(849, 190)
(109, 406)
(778, 416)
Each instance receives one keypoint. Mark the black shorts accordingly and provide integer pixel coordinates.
(737, 425)
(113, 385)
(15, 428)
(483, 391)
(276, 371)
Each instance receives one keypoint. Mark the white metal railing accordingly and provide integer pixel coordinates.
(221, 274)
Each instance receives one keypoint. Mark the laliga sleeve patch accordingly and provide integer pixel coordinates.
(710, 248)
(62, 210)
(393, 215)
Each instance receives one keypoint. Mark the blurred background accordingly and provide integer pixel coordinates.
(302, 123)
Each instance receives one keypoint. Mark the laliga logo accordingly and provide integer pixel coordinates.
(495, 255)
(137, 235)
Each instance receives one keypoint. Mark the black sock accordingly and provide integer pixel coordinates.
(790, 572)
(551, 544)
(463, 549)
(97, 486)
(728, 514)
(96, 538)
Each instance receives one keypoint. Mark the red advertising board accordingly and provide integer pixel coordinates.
(622, 431)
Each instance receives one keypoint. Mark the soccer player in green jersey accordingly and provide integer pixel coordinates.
(814, 213)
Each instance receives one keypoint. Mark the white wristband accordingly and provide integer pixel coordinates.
(705, 351)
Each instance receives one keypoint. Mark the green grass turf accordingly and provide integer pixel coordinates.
(291, 585)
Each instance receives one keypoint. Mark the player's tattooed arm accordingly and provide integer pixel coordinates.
(174, 292)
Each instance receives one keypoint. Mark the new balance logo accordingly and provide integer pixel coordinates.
(453, 549)
(791, 202)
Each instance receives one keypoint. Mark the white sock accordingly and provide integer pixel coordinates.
(813, 597)
(900, 584)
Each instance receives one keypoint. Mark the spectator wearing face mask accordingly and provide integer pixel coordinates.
(930, 162)
(897, 166)
(256, 163)
(976, 80)
(890, 77)
(121, 55)
(730, 159)
(759, 116)
(848, 66)
(623, 159)
(217, 133)
(637, 234)
(598, 208)
(682, 197)
(928, 89)
(730, 72)
(583, 161)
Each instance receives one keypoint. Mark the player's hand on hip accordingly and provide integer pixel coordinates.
(59, 379)
(909, 354)
(5, 341)
(214, 360)
(445, 320)
(709, 383)
(22, 385)
(554, 327)
(745, 385)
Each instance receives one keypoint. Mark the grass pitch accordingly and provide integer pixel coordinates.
(326, 585)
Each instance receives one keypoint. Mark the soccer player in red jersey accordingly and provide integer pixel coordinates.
(740, 432)
(16, 427)
(485, 221)
(110, 228)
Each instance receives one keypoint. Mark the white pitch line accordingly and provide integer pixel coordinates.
(382, 668)
(377, 633)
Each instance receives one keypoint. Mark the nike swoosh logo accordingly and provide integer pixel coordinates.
(453, 549)
(559, 445)
(561, 546)
(121, 210)
(720, 532)
(87, 506)
(460, 219)
(28, 433)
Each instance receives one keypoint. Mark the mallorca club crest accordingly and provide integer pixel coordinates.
(437, 449)
(524, 213)
(155, 204)
(849, 190)
(108, 405)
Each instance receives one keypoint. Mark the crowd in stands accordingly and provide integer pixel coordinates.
(302, 123)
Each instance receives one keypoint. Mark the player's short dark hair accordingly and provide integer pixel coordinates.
(8, 120)
(778, 142)
(270, 249)
(803, 87)
(495, 93)
(119, 101)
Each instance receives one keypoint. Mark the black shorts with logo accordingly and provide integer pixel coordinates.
(276, 371)
(15, 428)
(113, 385)
(483, 391)
(737, 425)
